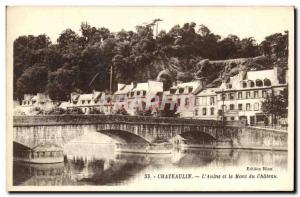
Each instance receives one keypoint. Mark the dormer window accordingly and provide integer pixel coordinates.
(83, 101)
(228, 86)
(89, 101)
(172, 91)
(181, 90)
(190, 89)
(144, 93)
(138, 93)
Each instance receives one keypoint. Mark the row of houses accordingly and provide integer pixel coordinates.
(238, 97)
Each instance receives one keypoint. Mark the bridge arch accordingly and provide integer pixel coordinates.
(123, 136)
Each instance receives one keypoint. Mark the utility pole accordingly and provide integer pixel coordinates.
(110, 80)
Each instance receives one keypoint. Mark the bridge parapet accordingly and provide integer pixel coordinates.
(94, 119)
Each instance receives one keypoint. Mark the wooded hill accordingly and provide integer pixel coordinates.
(82, 62)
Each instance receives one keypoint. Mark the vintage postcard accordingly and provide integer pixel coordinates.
(150, 98)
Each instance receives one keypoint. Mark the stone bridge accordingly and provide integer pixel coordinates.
(32, 132)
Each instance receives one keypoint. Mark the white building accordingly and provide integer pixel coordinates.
(34, 104)
(145, 95)
(88, 102)
(184, 95)
(120, 97)
(206, 104)
(244, 93)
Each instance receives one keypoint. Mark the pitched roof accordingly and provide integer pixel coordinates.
(124, 90)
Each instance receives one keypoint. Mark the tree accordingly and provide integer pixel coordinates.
(32, 81)
(62, 82)
(82, 62)
(276, 105)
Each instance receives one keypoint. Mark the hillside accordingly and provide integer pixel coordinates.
(82, 63)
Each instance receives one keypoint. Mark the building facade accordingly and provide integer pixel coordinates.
(33, 104)
(98, 101)
(184, 96)
(241, 96)
(137, 97)
(206, 104)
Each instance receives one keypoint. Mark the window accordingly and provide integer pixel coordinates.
(190, 89)
(212, 111)
(197, 101)
(240, 106)
(212, 100)
(232, 118)
(181, 90)
(204, 111)
(264, 94)
(196, 112)
(259, 83)
(82, 102)
(247, 95)
(89, 101)
(228, 86)
(178, 101)
(244, 84)
(144, 93)
(251, 83)
(256, 106)
(186, 101)
(172, 91)
(138, 93)
(203, 100)
(231, 96)
(248, 107)
(240, 95)
(231, 106)
(267, 82)
(131, 94)
(255, 94)
(224, 107)
(223, 96)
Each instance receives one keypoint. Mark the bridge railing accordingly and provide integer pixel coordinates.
(100, 118)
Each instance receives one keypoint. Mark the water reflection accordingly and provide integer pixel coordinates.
(99, 164)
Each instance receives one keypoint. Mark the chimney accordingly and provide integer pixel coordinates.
(242, 74)
(134, 84)
(120, 85)
(201, 81)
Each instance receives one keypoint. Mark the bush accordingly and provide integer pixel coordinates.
(56, 111)
(75, 110)
(95, 111)
(122, 111)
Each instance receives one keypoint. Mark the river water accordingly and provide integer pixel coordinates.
(99, 164)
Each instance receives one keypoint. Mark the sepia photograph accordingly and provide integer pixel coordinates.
(109, 98)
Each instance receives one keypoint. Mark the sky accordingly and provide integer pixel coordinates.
(256, 22)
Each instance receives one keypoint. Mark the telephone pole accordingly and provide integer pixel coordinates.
(110, 80)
